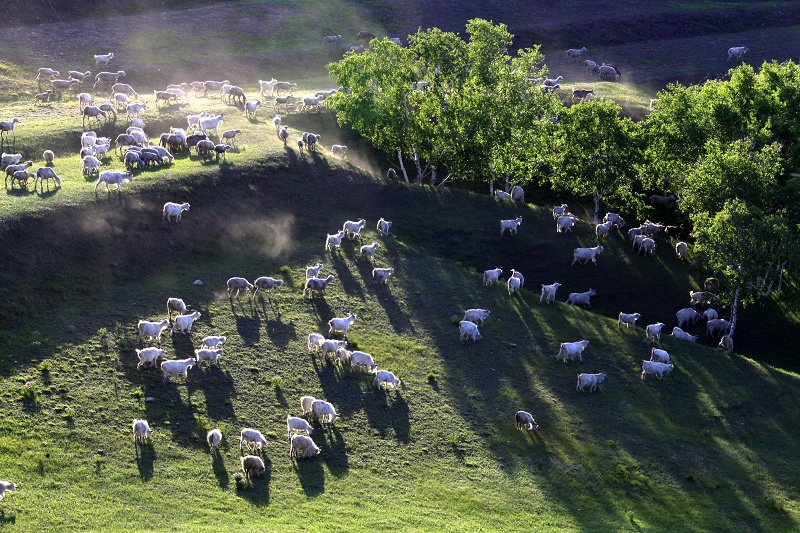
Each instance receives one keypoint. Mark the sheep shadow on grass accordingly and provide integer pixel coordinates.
(397, 318)
(249, 328)
(258, 493)
(221, 473)
(145, 457)
(7, 518)
(335, 455)
(383, 414)
(348, 282)
(311, 475)
(218, 389)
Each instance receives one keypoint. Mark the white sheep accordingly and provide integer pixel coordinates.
(687, 315)
(564, 223)
(141, 431)
(250, 436)
(513, 285)
(214, 437)
(380, 275)
(383, 226)
(702, 298)
(114, 178)
(339, 150)
(228, 136)
(183, 323)
(590, 380)
(517, 274)
(585, 254)
(616, 220)
(602, 230)
(266, 283)
(502, 195)
(491, 276)
(628, 319)
(149, 356)
(294, 423)
(736, 52)
(468, 330)
(6, 486)
(575, 53)
(681, 250)
(48, 156)
(302, 447)
(726, 343)
(341, 325)
(476, 316)
(313, 271)
(305, 404)
(331, 346)
(648, 246)
(276, 121)
(45, 174)
(653, 331)
(364, 360)
(582, 298)
(175, 305)
(47, 73)
(353, 228)
(317, 284)
(384, 378)
(368, 251)
(608, 72)
(659, 355)
(251, 107)
(10, 159)
(717, 325)
(654, 368)
(210, 123)
(334, 241)
(591, 67)
(267, 86)
(103, 59)
(331, 39)
(560, 210)
(572, 350)
(525, 421)
(212, 341)
(549, 292)
(682, 335)
(174, 210)
(177, 367)
(252, 465)
(710, 314)
(237, 283)
(6, 126)
(323, 412)
(212, 356)
(151, 330)
(511, 225)
(517, 193)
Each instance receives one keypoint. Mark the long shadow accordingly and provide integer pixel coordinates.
(221, 473)
(145, 456)
(311, 476)
(388, 410)
(218, 389)
(344, 276)
(249, 327)
(7, 518)
(335, 455)
(258, 494)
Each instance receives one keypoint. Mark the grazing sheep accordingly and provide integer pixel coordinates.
(149, 356)
(252, 465)
(266, 283)
(549, 292)
(682, 335)
(687, 315)
(726, 343)
(576, 298)
(172, 209)
(654, 368)
(237, 283)
(212, 341)
(609, 72)
(517, 193)
(302, 447)
(502, 195)
(341, 325)
(331, 39)
(468, 330)
(64, 85)
(11, 169)
(305, 404)
(716, 326)
(590, 380)
(476, 316)
(183, 323)
(6, 486)
(681, 250)
(564, 223)
(229, 136)
(628, 319)
(339, 150)
(383, 226)
(294, 423)
(616, 220)
(380, 275)
(11, 159)
(141, 431)
(511, 225)
(384, 378)
(525, 421)
(45, 174)
(653, 331)
(21, 177)
(659, 355)
(317, 284)
(214, 437)
(491, 276)
(702, 298)
(362, 360)
(572, 350)
(323, 412)
(212, 356)
(710, 314)
(250, 436)
(331, 346)
(151, 330)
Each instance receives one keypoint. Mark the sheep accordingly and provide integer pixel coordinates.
(549, 82)
(315, 342)
(476, 316)
(283, 134)
(284, 101)
(21, 177)
(702, 298)
(317, 284)
(42, 97)
(565, 223)
(132, 159)
(294, 423)
(560, 210)
(616, 220)
(210, 123)
(572, 350)
(193, 121)
(103, 59)
(628, 319)
(602, 230)
(331, 39)
(680, 334)
(502, 195)
(687, 315)
(576, 298)
(267, 86)
(653, 331)
(10, 159)
(11, 169)
(575, 53)
(333, 241)
(584, 254)
(637, 242)
(134, 110)
(302, 447)
(363, 34)
(654, 368)
(491, 276)
(124, 88)
(312, 141)
(172, 209)
(229, 136)
(149, 356)
(368, 251)
(237, 283)
(252, 465)
(353, 229)
(710, 314)
(197, 87)
(608, 72)
(717, 325)
(48, 156)
(339, 150)
(468, 330)
(204, 147)
(6, 126)
(183, 323)
(305, 404)
(590, 380)
(517, 193)
(276, 121)
(141, 431)
(250, 108)
(364, 360)
(648, 246)
(64, 85)
(341, 325)
(385, 379)
(551, 88)
(214, 86)
(591, 67)
(309, 102)
(214, 437)
(104, 78)
(681, 250)
(212, 356)
(178, 92)
(736, 52)
(391, 174)
(581, 94)
(726, 343)
(114, 178)
(313, 271)
(161, 153)
(380, 275)
(47, 73)
(525, 421)
(383, 226)
(6, 486)
(221, 150)
(659, 355)
(514, 285)
(109, 110)
(331, 346)
(323, 412)
(285, 86)
(662, 200)
(266, 283)
(549, 292)
(511, 225)
(90, 165)
(165, 97)
(212, 341)
(45, 174)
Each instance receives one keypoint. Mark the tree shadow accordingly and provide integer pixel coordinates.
(258, 493)
(221, 473)
(145, 456)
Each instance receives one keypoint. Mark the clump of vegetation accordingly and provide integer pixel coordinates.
(774, 503)
(44, 367)
(29, 391)
(431, 376)
(276, 381)
(242, 483)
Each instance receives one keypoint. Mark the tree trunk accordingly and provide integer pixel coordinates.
(491, 189)
(507, 187)
(597, 198)
(433, 176)
(780, 278)
(734, 312)
(419, 167)
(402, 166)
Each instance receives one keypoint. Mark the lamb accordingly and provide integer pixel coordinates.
(250, 108)
(353, 229)
(525, 421)
(294, 423)
(736, 52)
(212, 341)
(42, 97)
(615, 219)
(565, 223)
(172, 209)
(302, 447)
(133, 159)
(608, 72)
(48, 156)
(210, 123)
(575, 53)
(686, 315)
(511, 225)
(221, 150)
(151, 330)
(214, 437)
(114, 178)
(502, 195)
(21, 177)
(662, 200)
(11, 169)
(47, 73)
(602, 230)
(590, 380)
(6, 126)
(267, 86)
(576, 298)
(252, 465)
(549, 292)
(380, 275)
(514, 285)
(654, 368)
(313, 271)
(183, 323)
(476, 316)
(710, 314)
(237, 283)
(266, 283)
(653, 331)
(717, 325)
(659, 355)
(45, 174)
(383, 226)
(141, 431)
(6, 486)
(283, 134)
(339, 150)
(334, 241)
(468, 330)
(362, 360)
(323, 412)
(368, 251)
(702, 298)
(212, 356)
(584, 254)
(681, 250)
(229, 136)
(11, 159)
(384, 378)
(341, 325)
(317, 284)
(628, 319)
(315, 342)
(367, 36)
(572, 350)
(560, 210)
(682, 335)
(103, 59)
(726, 343)
(284, 86)
(331, 39)
(149, 356)
(491, 276)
